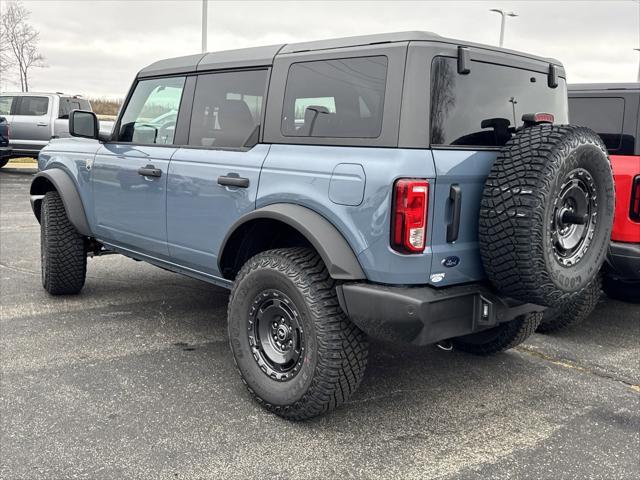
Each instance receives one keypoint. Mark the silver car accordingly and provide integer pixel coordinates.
(36, 118)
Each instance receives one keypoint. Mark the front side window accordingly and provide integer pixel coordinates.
(227, 108)
(152, 112)
(341, 98)
(604, 116)
(32, 106)
(5, 104)
(484, 107)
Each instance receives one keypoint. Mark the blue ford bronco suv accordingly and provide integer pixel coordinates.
(399, 186)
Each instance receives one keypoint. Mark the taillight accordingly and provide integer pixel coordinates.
(409, 221)
(634, 209)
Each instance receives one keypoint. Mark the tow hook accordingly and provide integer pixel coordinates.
(445, 345)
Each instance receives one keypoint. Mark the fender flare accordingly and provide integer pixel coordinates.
(338, 257)
(67, 190)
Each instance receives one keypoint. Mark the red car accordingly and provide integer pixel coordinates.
(613, 111)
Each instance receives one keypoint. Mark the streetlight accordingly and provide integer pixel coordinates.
(504, 16)
(204, 26)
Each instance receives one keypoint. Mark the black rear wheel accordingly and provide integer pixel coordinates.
(498, 339)
(295, 349)
(624, 290)
(574, 312)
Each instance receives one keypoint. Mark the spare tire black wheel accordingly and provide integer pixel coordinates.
(546, 214)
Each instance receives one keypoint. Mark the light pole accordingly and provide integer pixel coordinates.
(638, 50)
(204, 26)
(504, 16)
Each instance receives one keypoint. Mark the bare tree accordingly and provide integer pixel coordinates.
(19, 43)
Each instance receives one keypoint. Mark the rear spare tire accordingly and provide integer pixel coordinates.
(546, 214)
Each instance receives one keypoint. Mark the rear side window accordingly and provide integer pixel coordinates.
(482, 108)
(152, 112)
(227, 109)
(335, 98)
(5, 105)
(605, 116)
(67, 104)
(32, 106)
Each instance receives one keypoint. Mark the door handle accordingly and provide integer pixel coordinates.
(42, 124)
(231, 181)
(455, 197)
(150, 171)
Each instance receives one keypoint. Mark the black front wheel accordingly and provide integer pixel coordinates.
(295, 349)
(63, 252)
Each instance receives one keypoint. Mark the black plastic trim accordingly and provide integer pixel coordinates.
(338, 257)
(453, 228)
(66, 188)
(424, 315)
(464, 61)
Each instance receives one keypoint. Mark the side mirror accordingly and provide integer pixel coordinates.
(83, 124)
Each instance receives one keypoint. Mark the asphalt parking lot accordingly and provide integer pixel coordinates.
(134, 379)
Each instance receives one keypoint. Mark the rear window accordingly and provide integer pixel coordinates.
(227, 109)
(605, 116)
(32, 106)
(482, 108)
(341, 98)
(67, 104)
(5, 105)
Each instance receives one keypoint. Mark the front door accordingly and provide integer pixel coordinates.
(214, 180)
(129, 175)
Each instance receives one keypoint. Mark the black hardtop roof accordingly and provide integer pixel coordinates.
(263, 56)
(599, 87)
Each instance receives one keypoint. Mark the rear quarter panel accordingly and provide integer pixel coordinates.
(302, 174)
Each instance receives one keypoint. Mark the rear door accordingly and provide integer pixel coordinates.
(129, 174)
(214, 179)
(31, 123)
(472, 116)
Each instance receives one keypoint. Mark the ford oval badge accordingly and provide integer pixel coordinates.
(452, 261)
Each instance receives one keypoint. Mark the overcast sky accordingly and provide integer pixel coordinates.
(95, 47)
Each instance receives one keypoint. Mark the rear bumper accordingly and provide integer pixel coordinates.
(623, 260)
(424, 315)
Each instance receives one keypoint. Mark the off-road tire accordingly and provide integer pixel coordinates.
(574, 312)
(519, 206)
(4, 161)
(498, 339)
(62, 249)
(624, 290)
(335, 353)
